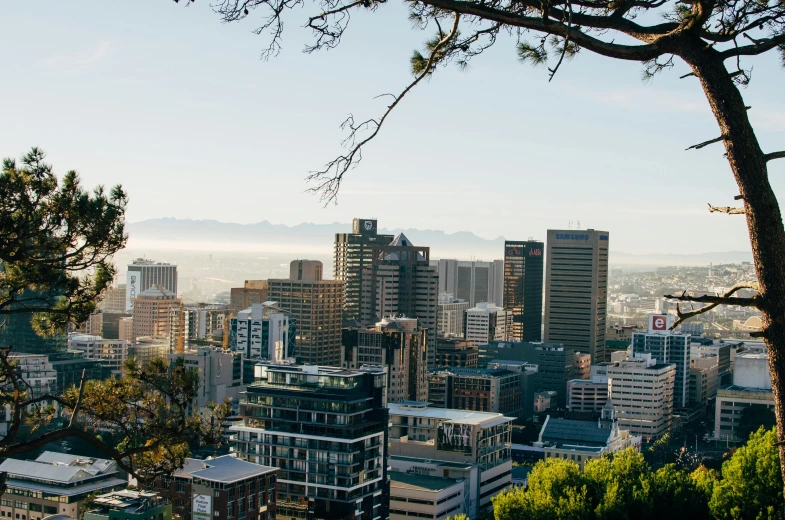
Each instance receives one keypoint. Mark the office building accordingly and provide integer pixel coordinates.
(148, 348)
(529, 383)
(252, 291)
(125, 328)
(399, 280)
(453, 352)
(220, 375)
(261, 333)
(55, 484)
(425, 496)
(641, 390)
(473, 281)
(704, 380)
(454, 444)
(129, 504)
(523, 267)
(667, 347)
(582, 365)
(353, 253)
(581, 441)
(706, 347)
(449, 317)
(113, 301)
(222, 488)
(326, 429)
(751, 388)
(143, 274)
(591, 394)
(477, 389)
(576, 290)
(487, 322)
(110, 352)
(111, 324)
(151, 312)
(398, 346)
(317, 307)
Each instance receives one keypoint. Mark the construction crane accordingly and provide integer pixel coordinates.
(181, 330)
(227, 321)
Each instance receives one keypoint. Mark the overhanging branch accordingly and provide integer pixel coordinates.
(728, 210)
(706, 143)
(714, 301)
(774, 155)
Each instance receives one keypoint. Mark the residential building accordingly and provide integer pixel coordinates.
(641, 390)
(352, 255)
(326, 429)
(582, 441)
(220, 374)
(455, 444)
(317, 307)
(252, 291)
(487, 322)
(55, 484)
(396, 345)
(591, 394)
(751, 388)
(151, 311)
(261, 333)
(399, 280)
(128, 504)
(473, 281)
(576, 290)
(477, 389)
(111, 352)
(222, 488)
(454, 352)
(425, 496)
(449, 317)
(667, 347)
(523, 265)
(143, 274)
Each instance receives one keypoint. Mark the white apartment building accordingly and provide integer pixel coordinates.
(456, 444)
(449, 318)
(642, 393)
(261, 332)
(487, 322)
(112, 352)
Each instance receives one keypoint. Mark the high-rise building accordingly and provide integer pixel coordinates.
(667, 346)
(576, 290)
(641, 392)
(487, 322)
(523, 261)
(151, 312)
(398, 345)
(473, 281)
(252, 291)
(262, 333)
(143, 274)
(317, 305)
(353, 253)
(449, 317)
(477, 389)
(326, 429)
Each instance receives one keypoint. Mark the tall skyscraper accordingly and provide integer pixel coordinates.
(523, 262)
(353, 253)
(143, 274)
(400, 280)
(576, 290)
(317, 305)
(473, 281)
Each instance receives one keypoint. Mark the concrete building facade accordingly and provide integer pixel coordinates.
(486, 322)
(252, 291)
(450, 314)
(151, 312)
(472, 280)
(143, 274)
(523, 268)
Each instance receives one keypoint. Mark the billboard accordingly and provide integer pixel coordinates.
(513, 251)
(202, 507)
(454, 437)
(131, 289)
(660, 322)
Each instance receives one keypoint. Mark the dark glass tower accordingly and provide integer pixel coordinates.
(523, 274)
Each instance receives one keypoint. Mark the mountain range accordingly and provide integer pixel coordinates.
(172, 233)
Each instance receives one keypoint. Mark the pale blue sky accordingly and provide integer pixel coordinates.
(178, 108)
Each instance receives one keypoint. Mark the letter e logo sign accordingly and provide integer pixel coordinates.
(658, 323)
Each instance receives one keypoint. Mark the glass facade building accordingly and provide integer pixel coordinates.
(523, 275)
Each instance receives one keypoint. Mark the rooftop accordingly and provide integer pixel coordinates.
(58, 468)
(566, 431)
(129, 501)
(437, 463)
(485, 419)
(399, 479)
(224, 469)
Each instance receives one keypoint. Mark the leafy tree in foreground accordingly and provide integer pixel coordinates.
(56, 243)
(711, 37)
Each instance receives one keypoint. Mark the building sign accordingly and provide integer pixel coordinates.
(454, 437)
(202, 507)
(131, 289)
(535, 252)
(573, 236)
(364, 226)
(660, 322)
(512, 251)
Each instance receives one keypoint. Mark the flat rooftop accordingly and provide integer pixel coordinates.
(450, 415)
(226, 469)
(402, 480)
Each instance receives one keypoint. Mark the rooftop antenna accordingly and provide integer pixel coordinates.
(569, 226)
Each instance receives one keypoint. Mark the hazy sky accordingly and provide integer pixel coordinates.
(178, 108)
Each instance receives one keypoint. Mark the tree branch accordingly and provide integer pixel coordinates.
(706, 143)
(774, 155)
(727, 210)
(714, 301)
(758, 47)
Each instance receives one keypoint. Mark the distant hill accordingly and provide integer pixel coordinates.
(172, 233)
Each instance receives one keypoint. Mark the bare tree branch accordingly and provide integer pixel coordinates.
(714, 301)
(706, 143)
(727, 210)
(774, 155)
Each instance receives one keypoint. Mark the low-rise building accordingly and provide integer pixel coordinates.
(589, 395)
(223, 488)
(111, 352)
(55, 484)
(425, 496)
(148, 348)
(704, 375)
(129, 504)
(751, 388)
(456, 444)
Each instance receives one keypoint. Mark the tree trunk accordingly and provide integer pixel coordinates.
(764, 220)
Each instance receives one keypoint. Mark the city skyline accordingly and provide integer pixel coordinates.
(158, 95)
